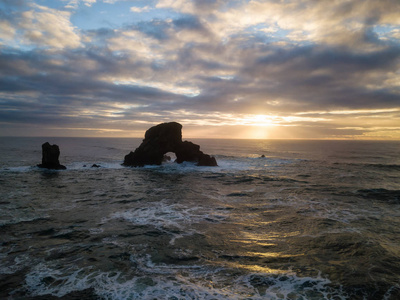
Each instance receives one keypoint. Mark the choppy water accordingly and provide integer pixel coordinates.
(311, 220)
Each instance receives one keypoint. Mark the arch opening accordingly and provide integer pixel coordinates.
(169, 157)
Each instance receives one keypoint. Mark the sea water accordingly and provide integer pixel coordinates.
(310, 220)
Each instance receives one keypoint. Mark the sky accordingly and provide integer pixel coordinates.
(305, 69)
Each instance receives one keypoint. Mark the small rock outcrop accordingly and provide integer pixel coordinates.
(164, 138)
(50, 155)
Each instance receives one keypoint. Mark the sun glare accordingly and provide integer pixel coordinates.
(256, 120)
(258, 132)
(263, 120)
(259, 125)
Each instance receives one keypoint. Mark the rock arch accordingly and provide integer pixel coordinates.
(164, 138)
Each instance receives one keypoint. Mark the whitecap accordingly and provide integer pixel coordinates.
(177, 282)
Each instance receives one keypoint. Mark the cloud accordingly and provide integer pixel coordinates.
(47, 93)
(189, 22)
(156, 28)
(346, 23)
(7, 31)
(74, 4)
(328, 76)
(40, 26)
(136, 9)
(326, 67)
(89, 2)
(196, 7)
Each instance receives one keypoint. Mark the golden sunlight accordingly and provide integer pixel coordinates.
(259, 126)
(257, 120)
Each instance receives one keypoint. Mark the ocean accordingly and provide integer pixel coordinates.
(310, 220)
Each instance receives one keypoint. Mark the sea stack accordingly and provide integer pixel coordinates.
(50, 155)
(164, 138)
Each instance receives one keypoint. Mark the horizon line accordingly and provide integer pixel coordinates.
(209, 138)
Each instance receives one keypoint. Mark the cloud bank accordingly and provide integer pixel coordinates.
(244, 69)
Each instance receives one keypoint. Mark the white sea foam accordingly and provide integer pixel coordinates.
(185, 167)
(17, 219)
(17, 264)
(224, 164)
(90, 166)
(95, 230)
(77, 165)
(44, 280)
(18, 169)
(289, 286)
(191, 284)
(170, 218)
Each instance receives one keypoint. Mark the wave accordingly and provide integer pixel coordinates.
(225, 164)
(389, 196)
(175, 282)
(70, 166)
(154, 281)
(384, 167)
(18, 220)
(176, 220)
(389, 167)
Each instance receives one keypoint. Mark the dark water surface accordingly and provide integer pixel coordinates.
(311, 220)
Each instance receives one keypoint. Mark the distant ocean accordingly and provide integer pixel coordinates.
(310, 220)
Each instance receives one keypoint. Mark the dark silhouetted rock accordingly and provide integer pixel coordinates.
(164, 138)
(50, 155)
(96, 166)
(207, 160)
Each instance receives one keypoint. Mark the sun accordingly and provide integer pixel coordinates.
(255, 120)
(263, 120)
(259, 126)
